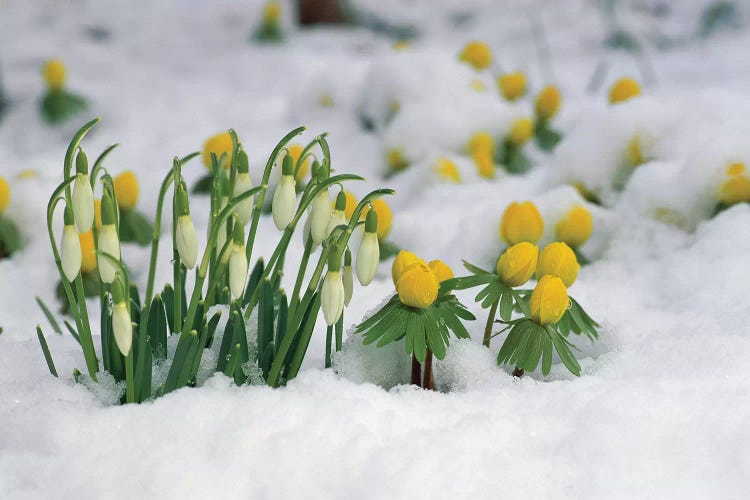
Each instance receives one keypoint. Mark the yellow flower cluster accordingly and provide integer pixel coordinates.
(549, 300)
(54, 73)
(417, 283)
(623, 90)
(512, 86)
(477, 54)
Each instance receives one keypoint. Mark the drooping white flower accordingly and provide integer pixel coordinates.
(243, 209)
(109, 243)
(83, 203)
(338, 218)
(122, 327)
(186, 240)
(332, 297)
(284, 202)
(368, 258)
(237, 270)
(70, 251)
(320, 215)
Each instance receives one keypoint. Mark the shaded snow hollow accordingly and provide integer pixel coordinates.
(662, 409)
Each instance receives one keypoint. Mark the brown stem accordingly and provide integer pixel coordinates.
(429, 378)
(416, 372)
(518, 372)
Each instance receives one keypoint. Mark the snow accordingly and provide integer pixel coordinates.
(661, 409)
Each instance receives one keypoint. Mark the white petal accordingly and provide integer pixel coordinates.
(109, 243)
(368, 258)
(187, 241)
(320, 215)
(70, 253)
(83, 203)
(338, 218)
(244, 209)
(284, 202)
(122, 328)
(332, 297)
(237, 271)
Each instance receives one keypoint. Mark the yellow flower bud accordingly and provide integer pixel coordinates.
(385, 216)
(4, 194)
(295, 150)
(512, 85)
(272, 12)
(575, 228)
(126, 191)
(403, 260)
(441, 269)
(481, 142)
(478, 85)
(557, 259)
(521, 222)
(624, 89)
(396, 159)
(485, 164)
(477, 54)
(447, 170)
(521, 131)
(735, 189)
(549, 300)
(418, 286)
(548, 102)
(219, 144)
(517, 264)
(88, 252)
(54, 74)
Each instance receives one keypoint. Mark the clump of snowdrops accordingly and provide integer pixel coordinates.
(135, 328)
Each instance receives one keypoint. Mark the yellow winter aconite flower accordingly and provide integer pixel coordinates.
(88, 252)
(385, 216)
(295, 150)
(4, 194)
(576, 227)
(512, 85)
(219, 144)
(548, 102)
(517, 264)
(485, 164)
(735, 189)
(478, 85)
(54, 74)
(126, 191)
(521, 222)
(447, 170)
(521, 131)
(549, 300)
(418, 286)
(441, 269)
(477, 54)
(403, 260)
(557, 259)
(396, 159)
(272, 12)
(481, 142)
(624, 89)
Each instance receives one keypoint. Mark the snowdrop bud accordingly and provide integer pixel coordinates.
(285, 196)
(122, 327)
(70, 248)
(83, 195)
(187, 241)
(549, 300)
(320, 215)
(368, 255)
(338, 215)
(244, 209)
(348, 279)
(237, 263)
(109, 241)
(332, 292)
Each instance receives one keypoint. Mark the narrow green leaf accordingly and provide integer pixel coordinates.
(72, 331)
(50, 318)
(506, 306)
(45, 351)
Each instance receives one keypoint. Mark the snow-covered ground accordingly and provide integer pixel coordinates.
(662, 409)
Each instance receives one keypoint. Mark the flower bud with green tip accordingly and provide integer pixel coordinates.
(237, 262)
(186, 238)
(122, 327)
(368, 255)
(338, 215)
(332, 291)
(285, 196)
(83, 195)
(243, 184)
(70, 247)
(109, 241)
(348, 279)
(320, 212)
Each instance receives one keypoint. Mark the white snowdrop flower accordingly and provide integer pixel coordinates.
(109, 243)
(284, 202)
(332, 297)
(348, 279)
(237, 270)
(243, 209)
(338, 214)
(122, 327)
(83, 203)
(368, 257)
(70, 248)
(320, 215)
(187, 241)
